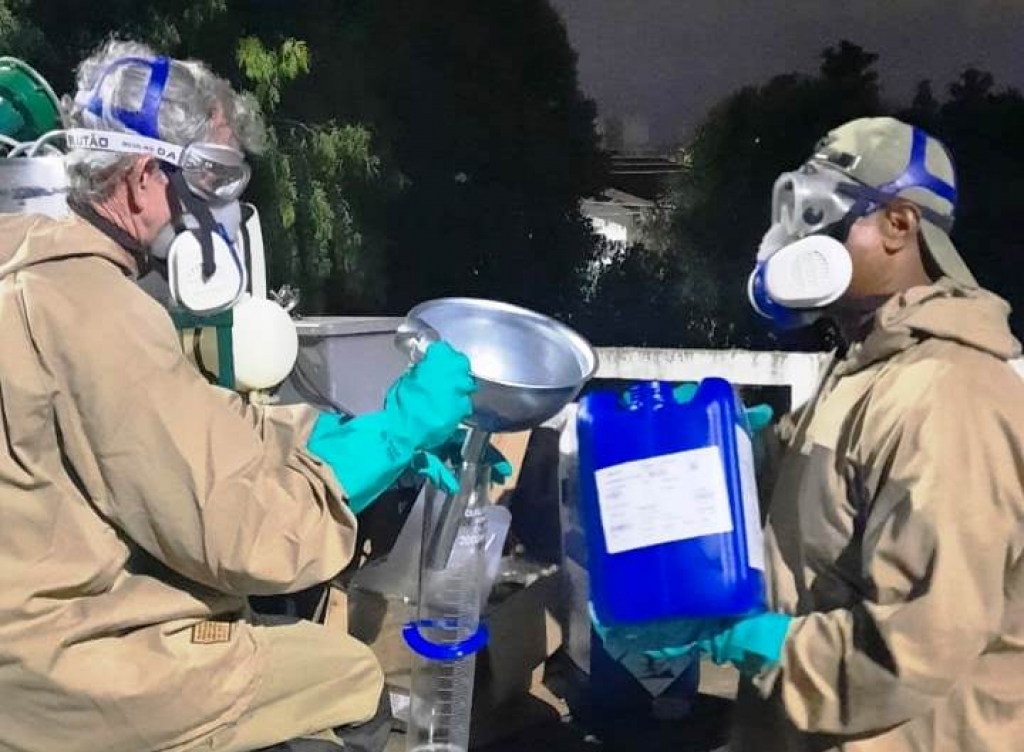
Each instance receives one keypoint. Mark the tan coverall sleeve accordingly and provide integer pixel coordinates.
(939, 534)
(218, 491)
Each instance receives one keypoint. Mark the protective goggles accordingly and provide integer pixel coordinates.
(212, 171)
(818, 197)
(812, 199)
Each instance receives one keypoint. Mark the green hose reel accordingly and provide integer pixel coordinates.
(28, 106)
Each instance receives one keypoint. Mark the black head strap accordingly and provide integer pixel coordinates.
(198, 209)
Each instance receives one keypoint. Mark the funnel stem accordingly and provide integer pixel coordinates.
(474, 447)
(455, 506)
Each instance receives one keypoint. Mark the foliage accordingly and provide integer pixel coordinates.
(307, 174)
(709, 225)
(423, 149)
(269, 70)
(56, 34)
(719, 205)
(312, 176)
(980, 124)
(416, 149)
(19, 36)
(495, 145)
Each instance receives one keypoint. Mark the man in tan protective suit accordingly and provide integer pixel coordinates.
(139, 505)
(895, 531)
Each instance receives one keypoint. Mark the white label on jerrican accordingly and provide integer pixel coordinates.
(663, 499)
(751, 507)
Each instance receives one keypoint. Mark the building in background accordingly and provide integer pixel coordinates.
(640, 176)
(617, 216)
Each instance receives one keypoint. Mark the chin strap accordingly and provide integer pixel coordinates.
(118, 234)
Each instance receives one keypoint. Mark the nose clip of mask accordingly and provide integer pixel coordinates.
(794, 284)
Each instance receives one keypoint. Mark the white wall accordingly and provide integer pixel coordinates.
(799, 371)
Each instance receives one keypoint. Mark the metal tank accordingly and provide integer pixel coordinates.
(34, 185)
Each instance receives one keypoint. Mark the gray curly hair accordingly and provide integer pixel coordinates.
(196, 104)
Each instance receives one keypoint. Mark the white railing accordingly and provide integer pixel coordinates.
(799, 371)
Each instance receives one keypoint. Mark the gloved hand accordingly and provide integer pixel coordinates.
(433, 468)
(431, 465)
(422, 409)
(752, 644)
(451, 450)
(758, 416)
(663, 640)
(432, 398)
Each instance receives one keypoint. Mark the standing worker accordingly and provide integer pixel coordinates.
(140, 505)
(895, 531)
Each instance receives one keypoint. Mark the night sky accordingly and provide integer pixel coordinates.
(669, 60)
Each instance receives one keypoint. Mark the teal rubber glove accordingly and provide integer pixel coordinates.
(451, 450)
(752, 644)
(428, 465)
(664, 640)
(758, 416)
(422, 409)
(432, 398)
(432, 466)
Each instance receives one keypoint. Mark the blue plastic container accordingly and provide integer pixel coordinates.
(669, 503)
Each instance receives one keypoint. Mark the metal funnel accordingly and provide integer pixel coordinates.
(527, 366)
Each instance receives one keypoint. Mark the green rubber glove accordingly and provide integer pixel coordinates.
(752, 644)
(422, 409)
(428, 465)
(663, 640)
(432, 398)
(451, 450)
(758, 416)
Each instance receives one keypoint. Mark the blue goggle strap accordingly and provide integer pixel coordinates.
(143, 121)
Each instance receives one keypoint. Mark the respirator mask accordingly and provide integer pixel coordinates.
(201, 248)
(802, 263)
